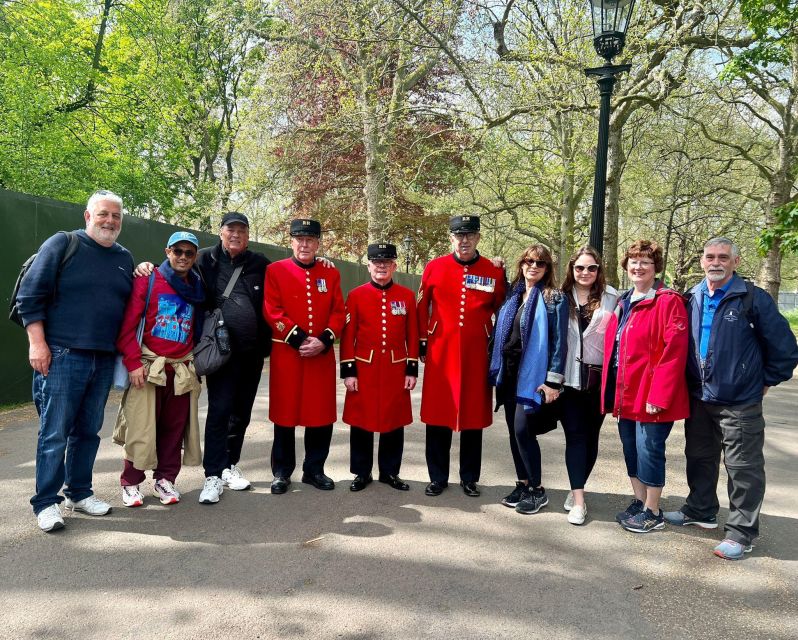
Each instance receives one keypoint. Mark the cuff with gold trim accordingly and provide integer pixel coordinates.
(348, 369)
(328, 338)
(296, 337)
(411, 369)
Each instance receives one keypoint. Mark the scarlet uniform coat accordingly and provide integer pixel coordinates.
(456, 303)
(302, 301)
(379, 346)
(652, 357)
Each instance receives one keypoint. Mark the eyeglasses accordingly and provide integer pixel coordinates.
(592, 268)
(189, 253)
(537, 263)
(640, 263)
(472, 235)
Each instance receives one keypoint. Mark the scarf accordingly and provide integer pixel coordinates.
(190, 290)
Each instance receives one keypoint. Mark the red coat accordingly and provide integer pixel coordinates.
(299, 302)
(456, 303)
(652, 357)
(379, 346)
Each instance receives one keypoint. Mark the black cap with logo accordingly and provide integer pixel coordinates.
(464, 224)
(305, 227)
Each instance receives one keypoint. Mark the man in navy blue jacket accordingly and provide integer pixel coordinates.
(740, 345)
(72, 319)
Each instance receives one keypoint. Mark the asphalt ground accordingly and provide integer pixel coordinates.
(384, 564)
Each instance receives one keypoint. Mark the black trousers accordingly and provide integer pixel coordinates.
(317, 448)
(231, 394)
(581, 420)
(438, 450)
(389, 454)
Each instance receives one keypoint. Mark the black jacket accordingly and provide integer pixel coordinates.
(252, 276)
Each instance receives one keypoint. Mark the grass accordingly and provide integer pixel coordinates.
(792, 318)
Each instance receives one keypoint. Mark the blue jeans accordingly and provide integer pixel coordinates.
(644, 450)
(70, 401)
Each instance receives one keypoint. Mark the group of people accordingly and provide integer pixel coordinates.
(554, 354)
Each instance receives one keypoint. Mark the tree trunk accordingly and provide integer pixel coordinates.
(569, 202)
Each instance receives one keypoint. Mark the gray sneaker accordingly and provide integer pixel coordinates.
(680, 519)
(533, 502)
(92, 505)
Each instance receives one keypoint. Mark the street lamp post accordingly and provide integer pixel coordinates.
(407, 242)
(610, 22)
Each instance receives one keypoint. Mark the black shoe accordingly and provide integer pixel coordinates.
(533, 502)
(280, 484)
(515, 496)
(435, 488)
(395, 482)
(470, 489)
(360, 483)
(319, 480)
(632, 510)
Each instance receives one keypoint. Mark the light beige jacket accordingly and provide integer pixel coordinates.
(135, 423)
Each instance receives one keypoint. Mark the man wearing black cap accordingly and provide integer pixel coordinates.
(458, 296)
(379, 365)
(304, 306)
(232, 389)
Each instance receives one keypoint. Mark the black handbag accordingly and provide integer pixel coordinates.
(208, 356)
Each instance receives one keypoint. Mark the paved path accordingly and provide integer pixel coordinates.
(384, 564)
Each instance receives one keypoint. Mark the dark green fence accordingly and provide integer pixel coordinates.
(27, 221)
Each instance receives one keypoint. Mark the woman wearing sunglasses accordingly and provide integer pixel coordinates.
(590, 303)
(527, 365)
(644, 386)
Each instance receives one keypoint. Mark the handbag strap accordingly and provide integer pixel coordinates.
(140, 330)
(232, 282)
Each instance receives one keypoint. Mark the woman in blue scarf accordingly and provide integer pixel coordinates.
(527, 366)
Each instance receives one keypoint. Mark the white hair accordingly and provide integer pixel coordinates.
(712, 242)
(102, 194)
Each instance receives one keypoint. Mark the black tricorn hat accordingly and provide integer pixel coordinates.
(382, 251)
(305, 227)
(464, 224)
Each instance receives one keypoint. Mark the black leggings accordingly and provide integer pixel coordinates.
(581, 420)
(523, 443)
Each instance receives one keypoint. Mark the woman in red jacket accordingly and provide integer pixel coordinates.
(644, 385)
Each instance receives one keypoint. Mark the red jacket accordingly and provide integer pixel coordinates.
(298, 302)
(456, 303)
(652, 357)
(379, 346)
(168, 329)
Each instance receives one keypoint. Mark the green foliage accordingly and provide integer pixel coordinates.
(774, 24)
(785, 230)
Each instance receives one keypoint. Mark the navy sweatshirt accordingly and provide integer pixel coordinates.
(85, 309)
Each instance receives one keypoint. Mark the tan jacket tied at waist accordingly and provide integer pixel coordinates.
(135, 423)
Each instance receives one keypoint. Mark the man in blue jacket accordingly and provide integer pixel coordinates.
(740, 345)
(72, 316)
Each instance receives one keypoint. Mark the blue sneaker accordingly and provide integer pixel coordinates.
(644, 522)
(732, 550)
(630, 512)
(680, 519)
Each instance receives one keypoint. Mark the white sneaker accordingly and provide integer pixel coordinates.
(131, 496)
(211, 491)
(50, 519)
(91, 505)
(165, 491)
(234, 479)
(569, 501)
(577, 514)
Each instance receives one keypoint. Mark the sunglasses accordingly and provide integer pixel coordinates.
(592, 268)
(189, 253)
(537, 263)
